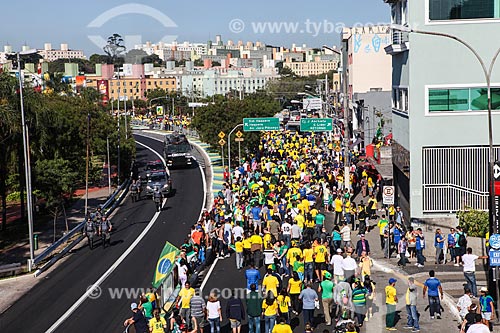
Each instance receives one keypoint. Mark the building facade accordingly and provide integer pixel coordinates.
(316, 67)
(50, 54)
(439, 105)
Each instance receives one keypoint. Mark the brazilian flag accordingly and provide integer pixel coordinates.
(166, 263)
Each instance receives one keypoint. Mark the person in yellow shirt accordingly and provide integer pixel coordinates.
(292, 253)
(269, 311)
(247, 251)
(300, 219)
(157, 324)
(294, 289)
(308, 253)
(391, 301)
(284, 303)
(282, 326)
(185, 296)
(238, 246)
(339, 206)
(270, 283)
(320, 259)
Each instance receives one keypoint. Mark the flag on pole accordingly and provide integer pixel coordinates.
(166, 263)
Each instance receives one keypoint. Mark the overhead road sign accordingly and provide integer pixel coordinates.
(261, 124)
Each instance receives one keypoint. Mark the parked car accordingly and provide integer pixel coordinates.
(162, 180)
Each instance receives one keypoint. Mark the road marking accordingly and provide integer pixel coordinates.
(205, 280)
(111, 269)
(156, 153)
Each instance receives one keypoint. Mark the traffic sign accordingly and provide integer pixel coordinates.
(338, 149)
(316, 124)
(495, 241)
(222, 142)
(239, 134)
(494, 256)
(159, 110)
(222, 135)
(239, 139)
(261, 124)
(388, 195)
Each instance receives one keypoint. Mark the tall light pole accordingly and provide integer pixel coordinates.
(27, 162)
(229, 151)
(494, 222)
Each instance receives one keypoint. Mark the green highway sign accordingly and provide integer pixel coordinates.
(316, 125)
(261, 124)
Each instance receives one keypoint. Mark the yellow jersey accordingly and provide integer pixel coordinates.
(284, 303)
(308, 255)
(320, 252)
(271, 283)
(270, 310)
(282, 328)
(186, 295)
(238, 246)
(295, 286)
(157, 326)
(390, 295)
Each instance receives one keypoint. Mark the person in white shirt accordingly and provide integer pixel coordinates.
(469, 261)
(286, 232)
(346, 236)
(463, 303)
(336, 262)
(237, 232)
(478, 327)
(349, 266)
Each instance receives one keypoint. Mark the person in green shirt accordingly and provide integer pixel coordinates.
(320, 220)
(382, 223)
(254, 309)
(359, 295)
(326, 290)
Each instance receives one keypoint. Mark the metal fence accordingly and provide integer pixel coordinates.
(455, 177)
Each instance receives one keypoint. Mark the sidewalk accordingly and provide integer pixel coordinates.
(19, 252)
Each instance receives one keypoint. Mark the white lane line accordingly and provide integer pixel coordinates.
(157, 154)
(97, 284)
(205, 280)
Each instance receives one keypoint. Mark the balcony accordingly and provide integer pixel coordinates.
(400, 42)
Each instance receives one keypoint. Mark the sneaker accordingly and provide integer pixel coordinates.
(416, 264)
(432, 317)
(456, 265)
(391, 328)
(416, 330)
(366, 318)
(420, 266)
(228, 255)
(408, 327)
(438, 316)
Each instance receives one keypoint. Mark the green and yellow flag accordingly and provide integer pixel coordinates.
(166, 263)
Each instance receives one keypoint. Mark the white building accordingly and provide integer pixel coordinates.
(50, 54)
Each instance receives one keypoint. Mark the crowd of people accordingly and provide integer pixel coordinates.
(271, 214)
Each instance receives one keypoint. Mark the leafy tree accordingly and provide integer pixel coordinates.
(199, 62)
(114, 48)
(99, 59)
(475, 222)
(225, 113)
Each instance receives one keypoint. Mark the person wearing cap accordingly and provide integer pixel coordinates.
(391, 301)
(463, 303)
(326, 290)
(359, 295)
(487, 306)
(469, 319)
(336, 262)
(411, 306)
(137, 319)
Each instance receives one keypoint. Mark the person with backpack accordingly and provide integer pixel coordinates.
(460, 245)
(90, 231)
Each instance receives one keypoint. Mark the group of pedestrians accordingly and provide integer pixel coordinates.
(96, 225)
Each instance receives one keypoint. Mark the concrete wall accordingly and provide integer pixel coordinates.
(442, 61)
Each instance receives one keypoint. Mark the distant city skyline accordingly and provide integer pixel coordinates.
(85, 25)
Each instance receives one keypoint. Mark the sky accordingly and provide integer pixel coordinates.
(85, 24)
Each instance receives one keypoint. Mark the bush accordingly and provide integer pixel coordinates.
(14, 196)
(475, 222)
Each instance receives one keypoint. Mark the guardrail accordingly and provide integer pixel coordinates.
(108, 207)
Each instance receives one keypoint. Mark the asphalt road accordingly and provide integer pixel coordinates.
(42, 306)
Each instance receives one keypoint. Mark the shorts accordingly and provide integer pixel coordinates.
(257, 223)
(486, 315)
(235, 323)
(200, 321)
(321, 266)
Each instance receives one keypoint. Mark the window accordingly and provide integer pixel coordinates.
(462, 10)
(399, 99)
(463, 99)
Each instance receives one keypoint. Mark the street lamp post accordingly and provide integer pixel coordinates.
(27, 162)
(229, 151)
(494, 222)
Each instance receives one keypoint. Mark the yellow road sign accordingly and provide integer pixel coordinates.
(222, 142)
(239, 134)
(222, 135)
(338, 149)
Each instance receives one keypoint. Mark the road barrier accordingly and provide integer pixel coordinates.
(108, 207)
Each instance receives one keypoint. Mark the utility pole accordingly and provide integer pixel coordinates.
(109, 166)
(87, 165)
(347, 136)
